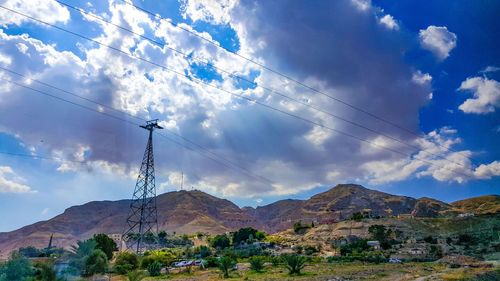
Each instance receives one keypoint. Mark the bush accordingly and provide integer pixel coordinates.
(225, 264)
(275, 260)
(125, 262)
(16, 268)
(220, 241)
(97, 262)
(430, 239)
(294, 263)
(256, 264)
(211, 262)
(135, 276)
(154, 269)
(45, 271)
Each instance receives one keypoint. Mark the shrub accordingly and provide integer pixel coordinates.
(256, 264)
(294, 263)
(225, 264)
(275, 260)
(125, 262)
(16, 268)
(97, 262)
(220, 241)
(430, 239)
(154, 269)
(45, 271)
(211, 262)
(135, 276)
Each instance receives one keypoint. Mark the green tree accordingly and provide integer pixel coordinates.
(225, 264)
(79, 252)
(357, 216)
(244, 235)
(44, 271)
(294, 263)
(220, 241)
(125, 262)
(162, 237)
(96, 262)
(378, 232)
(154, 269)
(17, 268)
(256, 264)
(105, 244)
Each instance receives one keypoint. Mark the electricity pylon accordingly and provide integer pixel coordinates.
(142, 220)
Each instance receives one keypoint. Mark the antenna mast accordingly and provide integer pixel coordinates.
(142, 220)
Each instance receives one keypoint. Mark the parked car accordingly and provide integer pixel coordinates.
(395, 261)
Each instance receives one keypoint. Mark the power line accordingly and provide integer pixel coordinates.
(42, 157)
(357, 108)
(133, 116)
(221, 162)
(256, 84)
(231, 93)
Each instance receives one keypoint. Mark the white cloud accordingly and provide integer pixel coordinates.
(49, 11)
(486, 95)
(421, 78)
(215, 11)
(438, 40)
(436, 158)
(10, 182)
(362, 5)
(389, 22)
(490, 69)
(487, 171)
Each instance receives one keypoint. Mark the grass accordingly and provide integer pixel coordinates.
(325, 271)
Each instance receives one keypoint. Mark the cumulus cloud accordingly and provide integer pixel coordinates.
(436, 158)
(486, 95)
(421, 78)
(270, 153)
(389, 22)
(438, 40)
(10, 182)
(49, 11)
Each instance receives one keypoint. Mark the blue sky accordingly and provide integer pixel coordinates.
(431, 70)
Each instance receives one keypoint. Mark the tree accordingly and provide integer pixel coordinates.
(378, 232)
(96, 262)
(256, 264)
(162, 237)
(45, 272)
(357, 216)
(221, 241)
(81, 251)
(225, 264)
(125, 262)
(244, 235)
(294, 263)
(105, 244)
(154, 269)
(17, 268)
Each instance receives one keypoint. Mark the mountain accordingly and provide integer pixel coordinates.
(478, 205)
(181, 212)
(187, 212)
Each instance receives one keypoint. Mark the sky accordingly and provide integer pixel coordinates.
(259, 100)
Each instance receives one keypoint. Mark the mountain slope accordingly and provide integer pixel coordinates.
(188, 212)
(182, 212)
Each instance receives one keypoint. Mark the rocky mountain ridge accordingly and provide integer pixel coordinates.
(195, 211)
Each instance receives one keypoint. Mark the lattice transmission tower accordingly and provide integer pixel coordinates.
(142, 220)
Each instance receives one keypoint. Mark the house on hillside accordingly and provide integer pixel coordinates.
(374, 244)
